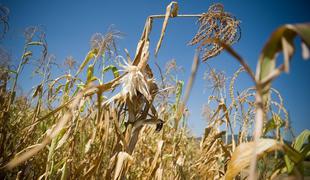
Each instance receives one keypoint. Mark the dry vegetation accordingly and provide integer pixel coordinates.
(79, 125)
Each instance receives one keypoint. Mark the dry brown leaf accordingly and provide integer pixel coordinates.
(142, 52)
(155, 164)
(191, 79)
(305, 51)
(159, 174)
(123, 162)
(50, 134)
(266, 70)
(64, 139)
(288, 50)
(169, 13)
(243, 154)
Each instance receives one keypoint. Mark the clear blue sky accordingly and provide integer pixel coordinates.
(69, 25)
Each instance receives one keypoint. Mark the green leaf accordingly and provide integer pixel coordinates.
(179, 89)
(273, 123)
(58, 88)
(64, 171)
(90, 55)
(35, 43)
(301, 139)
(81, 85)
(113, 69)
(242, 156)
(90, 73)
(12, 71)
(296, 154)
(27, 54)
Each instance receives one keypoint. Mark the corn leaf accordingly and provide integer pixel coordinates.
(178, 93)
(282, 40)
(38, 90)
(35, 43)
(273, 123)
(27, 54)
(171, 11)
(113, 69)
(123, 162)
(91, 54)
(301, 139)
(243, 154)
(90, 73)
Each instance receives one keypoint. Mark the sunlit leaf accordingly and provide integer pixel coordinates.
(171, 11)
(35, 43)
(273, 123)
(302, 139)
(122, 164)
(91, 54)
(113, 69)
(90, 73)
(243, 154)
(282, 40)
(27, 54)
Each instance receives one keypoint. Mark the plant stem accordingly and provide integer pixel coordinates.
(259, 117)
(12, 95)
(179, 15)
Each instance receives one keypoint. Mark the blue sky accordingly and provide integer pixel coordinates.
(69, 25)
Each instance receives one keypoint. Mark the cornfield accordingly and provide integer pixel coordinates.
(134, 126)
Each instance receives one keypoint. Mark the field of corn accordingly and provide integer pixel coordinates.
(124, 123)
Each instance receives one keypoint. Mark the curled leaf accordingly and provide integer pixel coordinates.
(123, 162)
(305, 51)
(243, 154)
(91, 54)
(282, 40)
(27, 54)
(171, 11)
